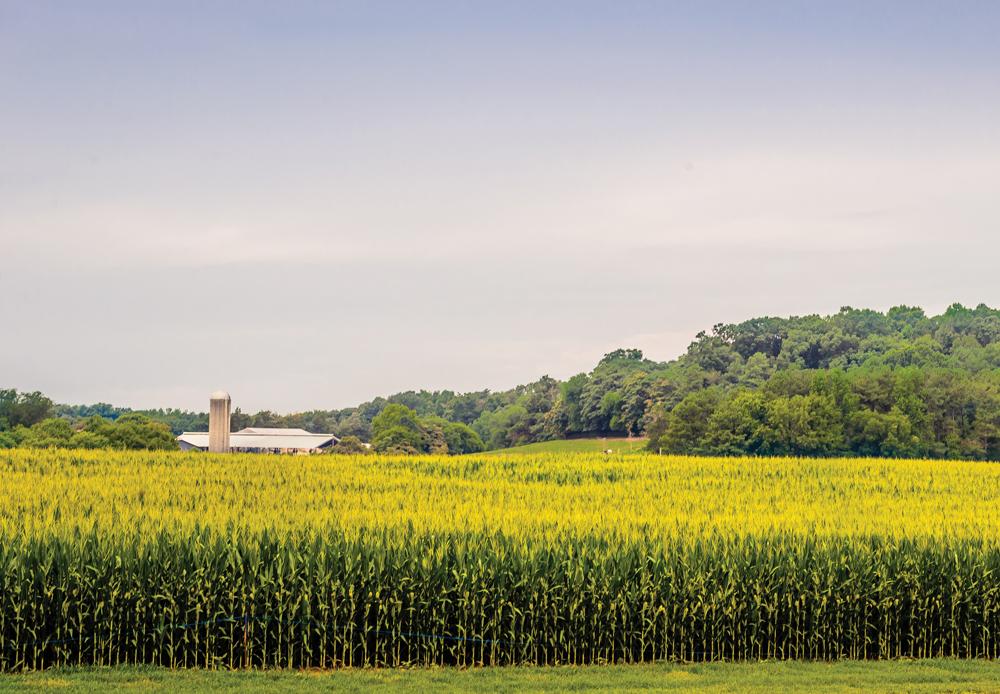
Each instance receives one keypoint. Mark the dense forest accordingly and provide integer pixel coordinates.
(859, 382)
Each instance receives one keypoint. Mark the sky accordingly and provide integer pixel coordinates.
(310, 204)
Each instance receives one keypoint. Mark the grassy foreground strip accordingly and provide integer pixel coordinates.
(940, 675)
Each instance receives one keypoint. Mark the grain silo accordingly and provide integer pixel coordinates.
(218, 422)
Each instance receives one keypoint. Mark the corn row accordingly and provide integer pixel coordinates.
(186, 560)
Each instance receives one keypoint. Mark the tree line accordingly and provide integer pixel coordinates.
(858, 382)
(32, 420)
(900, 413)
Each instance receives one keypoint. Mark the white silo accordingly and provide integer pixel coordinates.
(218, 422)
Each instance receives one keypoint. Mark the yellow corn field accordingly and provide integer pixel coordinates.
(258, 561)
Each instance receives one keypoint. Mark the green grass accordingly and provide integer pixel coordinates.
(845, 676)
(618, 445)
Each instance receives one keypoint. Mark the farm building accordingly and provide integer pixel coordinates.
(218, 438)
(262, 440)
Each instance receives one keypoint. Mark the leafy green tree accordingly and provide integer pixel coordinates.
(349, 445)
(461, 439)
(238, 419)
(23, 409)
(611, 409)
(908, 321)
(861, 322)
(636, 393)
(436, 444)
(572, 396)
(803, 425)
(466, 407)
(399, 440)
(756, 371)
(620, 355)
(763, 336)
(398, 429)
(509, 426)
(48, 433)
(737, 425)
(712, 352)
(883, 434)
(135, 431)
(88, 439)
(354, 425)
(396, 415)
(924, 351)
(814, 345)
(687, 423)
(597, 408)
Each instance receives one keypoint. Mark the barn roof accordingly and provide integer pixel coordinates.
(261, 437)
(275, 432)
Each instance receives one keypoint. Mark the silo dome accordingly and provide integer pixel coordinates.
(219, 395)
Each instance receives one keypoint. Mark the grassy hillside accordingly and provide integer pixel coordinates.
(595, 445)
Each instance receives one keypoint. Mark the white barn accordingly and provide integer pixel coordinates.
(262, 440)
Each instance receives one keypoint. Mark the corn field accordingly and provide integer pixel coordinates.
(194, 560)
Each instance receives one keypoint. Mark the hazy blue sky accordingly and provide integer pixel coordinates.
(310, 204)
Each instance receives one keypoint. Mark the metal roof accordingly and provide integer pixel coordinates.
(263, 438)
(275, 432)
